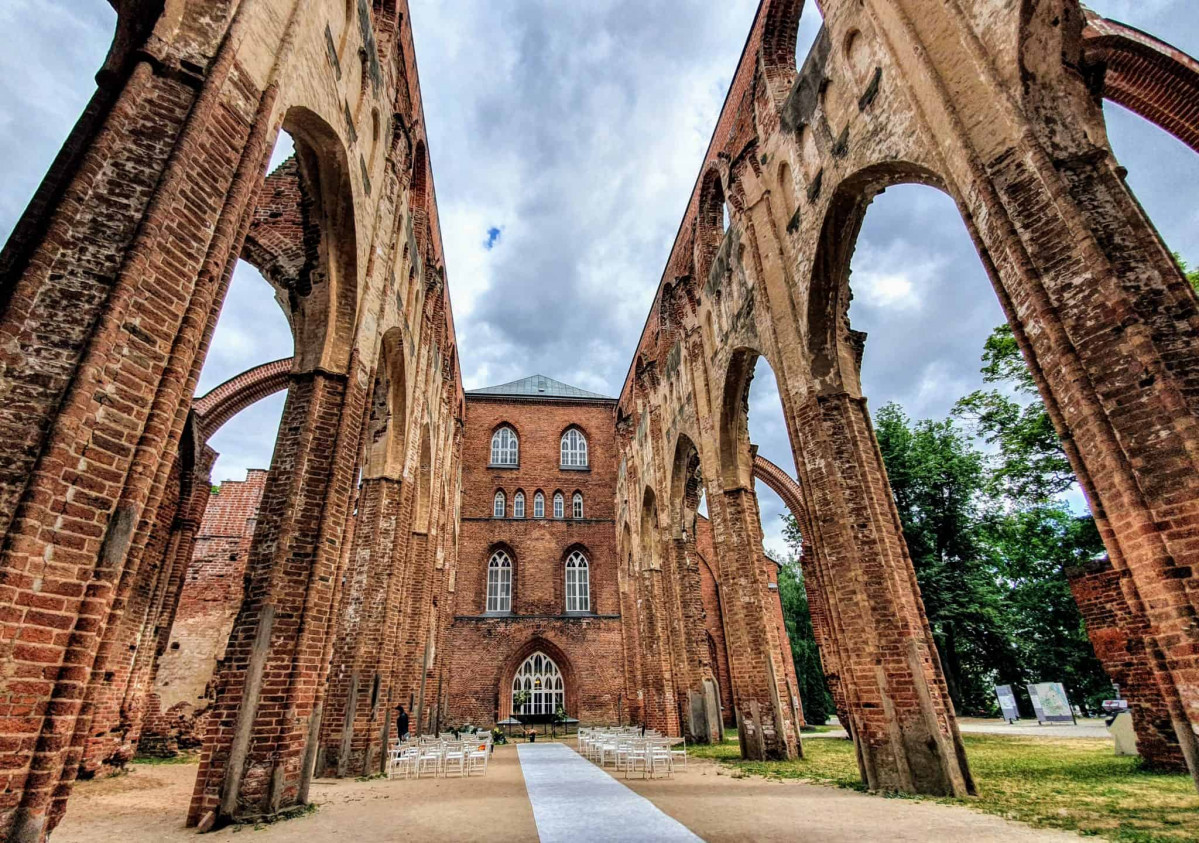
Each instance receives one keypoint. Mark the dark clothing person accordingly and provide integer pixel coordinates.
(402, 723)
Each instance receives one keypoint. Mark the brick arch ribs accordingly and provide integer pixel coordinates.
(1145, 75)
(222, 403)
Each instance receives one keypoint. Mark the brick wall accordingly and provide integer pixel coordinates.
(1117, 633)
(211, 594)
(485, 652)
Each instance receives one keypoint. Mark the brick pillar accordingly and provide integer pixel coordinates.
(1110, 329)
(357, 711)
(258, 753)
(659, 702)
(692, 661)
(108, 748)
(1118, 634)
(899, 711)
(196, 492)
(107, 299)
(816, 587)
(758, 672)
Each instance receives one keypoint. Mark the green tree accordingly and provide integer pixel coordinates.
(1030, 464)
(1192, 275)
(1031, 547)
(938, 480)
(797, 615)
(1029, 534)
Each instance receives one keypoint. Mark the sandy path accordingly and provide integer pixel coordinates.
(721, 808)
(149, 804)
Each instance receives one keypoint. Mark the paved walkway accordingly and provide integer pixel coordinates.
(574, 800)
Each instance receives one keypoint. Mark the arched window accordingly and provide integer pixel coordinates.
(499, 506)
(505, 449)
(578, 584)
(559, 505)
(576, 505)
(541, 681)
(499, 583)
(539, 505)
(574, 449)
(518, 505)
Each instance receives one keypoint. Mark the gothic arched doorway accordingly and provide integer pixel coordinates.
(538, 688)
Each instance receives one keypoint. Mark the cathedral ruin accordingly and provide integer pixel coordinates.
(414, 542)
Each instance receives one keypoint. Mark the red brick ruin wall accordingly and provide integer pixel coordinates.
(116, 274)
(485, 652)
(211, 595)
(1117, 634)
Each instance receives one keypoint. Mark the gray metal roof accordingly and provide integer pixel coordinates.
(538, 386)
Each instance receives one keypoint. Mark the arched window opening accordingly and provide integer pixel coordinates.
(505, 449)
(726, 219)
(578, 584)
(539, 505)
(574, 449)
(518, 505)
(499, 505)
(499, 583)
(559, 505)
(540, 686)
(576, 505)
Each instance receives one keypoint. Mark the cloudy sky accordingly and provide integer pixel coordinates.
(565, 139)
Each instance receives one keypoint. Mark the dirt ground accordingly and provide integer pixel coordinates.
(720, 807)
(149, 804)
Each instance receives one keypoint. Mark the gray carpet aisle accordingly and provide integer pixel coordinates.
(575, 801)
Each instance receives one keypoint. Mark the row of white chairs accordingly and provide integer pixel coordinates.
(437, 756)
(629, 750)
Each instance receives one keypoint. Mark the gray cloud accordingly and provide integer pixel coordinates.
(578, 129)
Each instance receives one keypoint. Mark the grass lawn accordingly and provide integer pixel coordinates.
(1073, 784)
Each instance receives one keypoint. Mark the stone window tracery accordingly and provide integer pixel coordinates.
(540, 678)
(574, 449)
(499, 583)
(505, 448)
(578, 583)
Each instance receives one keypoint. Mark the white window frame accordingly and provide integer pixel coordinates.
(499, 504)
(540, 676)
(559, 505)
(578, 583)
(518, 505)
(505, 447)
(539, 505)
(499, 583)
(573, 449)
(576, 505)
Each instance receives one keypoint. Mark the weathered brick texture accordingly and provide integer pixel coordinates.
(114, 278)
(1118, 636)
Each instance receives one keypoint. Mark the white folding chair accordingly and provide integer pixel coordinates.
(454, 759)
(679, 750)
(429, 760)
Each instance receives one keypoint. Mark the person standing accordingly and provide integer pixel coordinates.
(401, 722)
